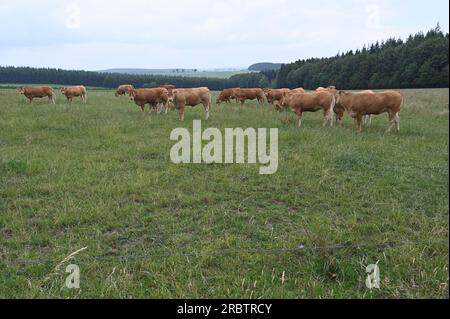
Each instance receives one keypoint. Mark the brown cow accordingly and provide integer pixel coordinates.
(74, 91)
(154, 97)
(234, 94)
(311, 102)
(192, 97)
(339, 110)
(124, 90)
(168, 87)
(250, 94)
(32, 92)
(367, 103)
(275, 95)
(226, 96)
(298, 90)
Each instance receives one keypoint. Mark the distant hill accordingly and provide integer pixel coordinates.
(150, 71)
(265, 66)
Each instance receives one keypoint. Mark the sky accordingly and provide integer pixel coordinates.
(203, 34)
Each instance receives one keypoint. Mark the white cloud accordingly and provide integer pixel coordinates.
(202, 33)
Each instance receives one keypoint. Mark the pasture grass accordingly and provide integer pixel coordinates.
(99, 176)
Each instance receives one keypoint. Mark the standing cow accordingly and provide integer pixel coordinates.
(359, 104)
(339, 110)
(32, 92)
(75, 91)
(192, 97)
(311, 102)
(250, 94)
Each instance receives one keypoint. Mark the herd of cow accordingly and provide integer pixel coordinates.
(334, 103)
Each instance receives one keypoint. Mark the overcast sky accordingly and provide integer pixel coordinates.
(102, 34)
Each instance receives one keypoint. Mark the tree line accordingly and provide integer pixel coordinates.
(27, 75)
(422, 61)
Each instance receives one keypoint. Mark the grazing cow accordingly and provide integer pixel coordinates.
(74, 91)
(225, 96)
(250, 94)
(275, 95)
(32, 92)
(311, 102)
(369, 103)
(154, 97)
(192, 97)
(234, 94)
(124, 90)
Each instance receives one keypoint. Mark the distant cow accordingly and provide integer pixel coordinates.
(359, 104)
(275, 95)
(124, 90)
(75, 91)
(298, 90)
(250, 94)
(311, 102)
(192, 97)
(32, 92)
(154, 97)
(226, 96)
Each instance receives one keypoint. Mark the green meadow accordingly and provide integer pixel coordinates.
(99, 176)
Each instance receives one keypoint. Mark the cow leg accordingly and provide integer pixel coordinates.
(181, 112)
(299, 118)
(339, 117)
(394, 120)
(397, 121)
(158, 108)
(359, 122)
(31, 99)
(207, 109)
(328, 118)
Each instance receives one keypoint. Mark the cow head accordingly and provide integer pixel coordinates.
(173, 95)
(341, 96)
(21, 90)
(132, 94)
(63, 90)
(285, 98)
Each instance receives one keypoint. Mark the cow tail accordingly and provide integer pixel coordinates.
(333, 103)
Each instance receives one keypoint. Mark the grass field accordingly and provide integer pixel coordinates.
(99, 176)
